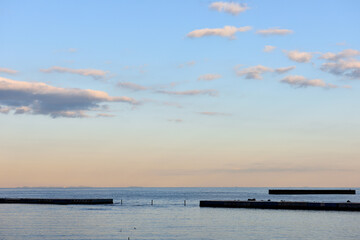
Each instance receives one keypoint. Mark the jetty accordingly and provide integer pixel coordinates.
(55, 201)
(338, 206)
(311, 191)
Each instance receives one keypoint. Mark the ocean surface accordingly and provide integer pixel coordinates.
(168, 218)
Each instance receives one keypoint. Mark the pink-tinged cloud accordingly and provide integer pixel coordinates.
(347, 53)
(131, 86)
(229, 7)
(269, 48)
(4, 110)
(41, 98)
(214, 114)
(274, 31)
(348, 68)
(106, 115)
(284, 69)
(300, 57)
(302, 82)
(94, 73)
(209, 77)
(209, 92)
(254, 72)
(8, 71)
(227, 31)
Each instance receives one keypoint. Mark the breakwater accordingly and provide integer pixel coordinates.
(55, 201)
(342, 206)
(311, 191)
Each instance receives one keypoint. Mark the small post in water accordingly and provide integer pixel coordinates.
(184, 202)
(152, 202)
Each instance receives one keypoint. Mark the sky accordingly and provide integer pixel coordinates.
(179, 93)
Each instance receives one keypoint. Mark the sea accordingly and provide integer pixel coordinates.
(170, 213)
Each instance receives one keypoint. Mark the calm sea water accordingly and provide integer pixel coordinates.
(168, 218)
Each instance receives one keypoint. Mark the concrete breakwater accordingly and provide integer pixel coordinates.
(340, 206)
(311, 191)
(55, 201)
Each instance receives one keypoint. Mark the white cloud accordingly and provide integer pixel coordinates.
(41, 98)
(301, 81)
(269, 48)
(95, 73)
(284, 69)
(297, 56)
(349, 68)
(254, 72)
(229, 7)
(227, 31)
(209, 77)
(8, 71)
(209, 92)
(274, 31)
(131, 86)
(347, 53)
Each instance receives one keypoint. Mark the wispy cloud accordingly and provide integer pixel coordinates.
(209, 77)
(349, 68)
(227, 31)
(229, 7)
(269, 48)
(178, 120)
(343, 63)
(284, 69)
(347, 53)
(254, 72)
(131, 86)
(41, 98)
(274, 31)
(8, 71)
(95, 73)
(297, 56)
(106, 115)
(214, 114)
(189, 64)
(209, 92)
(302, 82)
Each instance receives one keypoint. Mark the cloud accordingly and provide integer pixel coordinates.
(131, 86)
(301, 81)
(274, 31)
(95, 73)
(347, 53)
(189, 64)
(227, 31)
(8, 71)
(300, 57)
(229, 7)
(209, 92)
(269, 48)
(175, 120)
(72, 50)
(214, 114)
(349, 68)
(105, 115)
(254, 72)
(40, 98)
(284, 69)
(209, 77)
(4, 110)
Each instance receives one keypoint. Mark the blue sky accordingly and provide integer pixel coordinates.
(164, 94)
